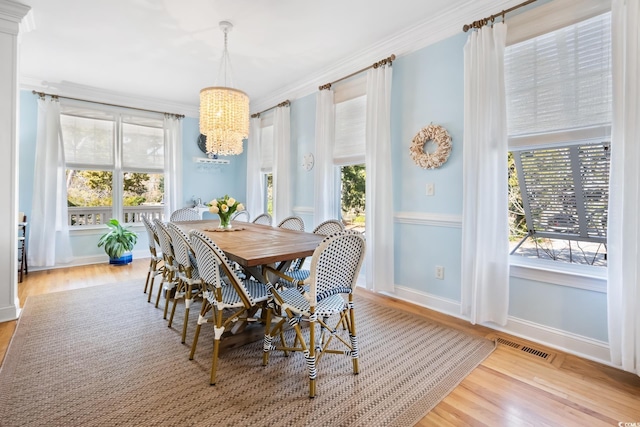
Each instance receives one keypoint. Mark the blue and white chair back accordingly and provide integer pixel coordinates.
(185, 214)
(292, 223)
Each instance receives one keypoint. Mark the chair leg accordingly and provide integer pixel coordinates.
(311, 355)
(206, 306)
(187, 305)
(218, 330)
(152, 269)
(266, 347)
(352, 335)
(168, 298)
(165, 274)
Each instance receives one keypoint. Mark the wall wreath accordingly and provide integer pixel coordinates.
(440, 137)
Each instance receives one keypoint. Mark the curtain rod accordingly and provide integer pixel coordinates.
(282, 104)
(380, 63)
(42, 95)
(482, 22)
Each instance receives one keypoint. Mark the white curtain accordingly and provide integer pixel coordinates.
(49, 242)
(172, 164)
(379, 200)
(325, 200)
(623, 235)
(282, 164)
(485, 245)
(255, 197)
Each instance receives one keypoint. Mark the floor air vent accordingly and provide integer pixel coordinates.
(535, 352)
(520, 347)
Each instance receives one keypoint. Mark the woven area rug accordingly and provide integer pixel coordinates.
(103, 356)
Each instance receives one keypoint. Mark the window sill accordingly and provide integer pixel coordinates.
(579, 276)
(88, 230)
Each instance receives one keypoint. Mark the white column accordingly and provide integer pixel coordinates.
(11, 13)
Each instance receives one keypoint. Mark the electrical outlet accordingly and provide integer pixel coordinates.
(439, 272)
(430, 189)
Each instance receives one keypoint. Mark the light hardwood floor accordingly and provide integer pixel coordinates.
(510, 388)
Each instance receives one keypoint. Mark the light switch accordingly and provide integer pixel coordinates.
(430, 189)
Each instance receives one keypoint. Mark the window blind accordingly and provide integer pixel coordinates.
(350, 128)
(266, 148)
(87, 141)
(560, 82)
(142, 144)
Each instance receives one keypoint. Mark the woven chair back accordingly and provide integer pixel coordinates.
(263, 218)
(181, 246)
(211, 260)
(185, 214)
(152, 236)
(335, 265)
(329, 227)
(241, 216)
(292, 223)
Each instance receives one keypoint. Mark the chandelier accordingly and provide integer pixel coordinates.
(224, 111)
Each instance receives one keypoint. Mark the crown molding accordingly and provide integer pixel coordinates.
(416, 37)
(94, 94)
(13, 11)
(11, 14)
(411, 39)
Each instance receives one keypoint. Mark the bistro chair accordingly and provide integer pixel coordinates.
(22, 246)
(189, 281)
(292, 223)
(155, 267)
(263, 218)
(335, 265)
(325, 228)
(185, 214)
(170, 276)
(232, 304)
(242, 215)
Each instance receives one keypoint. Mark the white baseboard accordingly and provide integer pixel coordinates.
(578, 345)
(90, 259)
(9, 313)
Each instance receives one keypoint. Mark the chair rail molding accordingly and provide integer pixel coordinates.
(431, 219)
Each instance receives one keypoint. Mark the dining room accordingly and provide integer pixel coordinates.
(311, 151)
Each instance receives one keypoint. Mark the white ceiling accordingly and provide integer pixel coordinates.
(162, 52)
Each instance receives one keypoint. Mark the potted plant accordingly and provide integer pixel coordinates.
(118, 243)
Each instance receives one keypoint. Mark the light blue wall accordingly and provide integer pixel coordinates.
(209, 181)
(303, 123)
(428, 88)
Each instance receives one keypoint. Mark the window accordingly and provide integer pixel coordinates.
(558, 89)
(266, 158)
(114, 165)
(349, 150)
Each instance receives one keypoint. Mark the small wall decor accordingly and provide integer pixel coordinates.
(440, 138)
(307, 161)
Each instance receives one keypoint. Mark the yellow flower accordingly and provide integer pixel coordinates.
(240, 207)
(224, 208)
(231, 201)
(214, 202)
(214, 209)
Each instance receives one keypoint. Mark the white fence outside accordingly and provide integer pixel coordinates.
(96, 215)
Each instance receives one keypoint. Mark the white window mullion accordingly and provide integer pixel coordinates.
(117, 190)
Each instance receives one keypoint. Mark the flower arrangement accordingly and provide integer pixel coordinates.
(225, 207)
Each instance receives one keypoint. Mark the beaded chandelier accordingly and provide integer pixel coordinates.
(224, 111)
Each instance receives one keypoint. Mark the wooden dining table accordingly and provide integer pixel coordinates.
(253, 246)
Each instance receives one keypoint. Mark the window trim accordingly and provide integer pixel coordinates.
(118, 116)
(526, 25)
